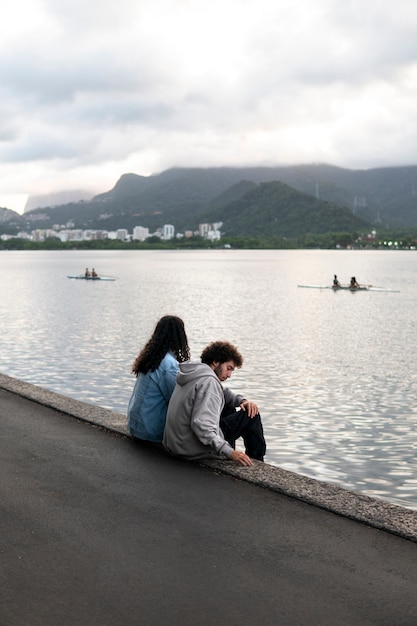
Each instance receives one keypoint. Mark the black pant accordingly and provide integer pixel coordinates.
(235, 424)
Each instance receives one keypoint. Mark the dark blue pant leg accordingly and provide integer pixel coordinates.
(235, 424)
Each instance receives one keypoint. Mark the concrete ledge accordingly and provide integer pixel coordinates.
(371, 511)
(81, 410)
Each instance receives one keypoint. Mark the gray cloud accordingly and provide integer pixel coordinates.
(89, 90)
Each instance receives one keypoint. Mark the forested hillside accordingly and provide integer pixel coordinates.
(185, 197)
(276, 210)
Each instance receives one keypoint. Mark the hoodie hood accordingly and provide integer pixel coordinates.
(192, 371)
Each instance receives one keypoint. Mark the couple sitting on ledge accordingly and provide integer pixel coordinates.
(183, 405)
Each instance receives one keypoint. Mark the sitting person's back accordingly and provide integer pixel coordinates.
(192, 429)
(196, 426)
(156, 369)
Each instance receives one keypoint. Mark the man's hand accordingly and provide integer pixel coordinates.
(250, 407)
(241, 458)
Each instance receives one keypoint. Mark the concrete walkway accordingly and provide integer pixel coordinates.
(96, 529)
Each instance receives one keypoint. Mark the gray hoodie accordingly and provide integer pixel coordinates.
(192, 428)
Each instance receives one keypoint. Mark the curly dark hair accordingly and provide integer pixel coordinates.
(169, 335)
(221, 351)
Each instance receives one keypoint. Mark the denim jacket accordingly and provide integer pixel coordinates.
(149, 401)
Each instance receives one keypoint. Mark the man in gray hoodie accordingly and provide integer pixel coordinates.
(192, 429)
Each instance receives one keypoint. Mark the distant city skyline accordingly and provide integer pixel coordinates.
(139, 233)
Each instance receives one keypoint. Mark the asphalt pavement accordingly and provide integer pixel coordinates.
(96, 529)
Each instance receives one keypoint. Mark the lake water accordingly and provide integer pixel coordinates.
(334, 374)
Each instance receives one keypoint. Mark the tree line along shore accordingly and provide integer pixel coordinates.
(384, 240)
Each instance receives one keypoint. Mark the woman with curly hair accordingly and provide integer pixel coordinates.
(156, 368)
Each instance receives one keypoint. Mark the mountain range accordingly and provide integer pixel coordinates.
(260, 201)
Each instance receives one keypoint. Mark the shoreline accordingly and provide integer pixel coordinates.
(373, 512)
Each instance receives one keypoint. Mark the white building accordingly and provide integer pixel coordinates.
(203, 229)
(122, 234)
(71, 235)
(140, 233)
(210, 231)
(213, 235)
(42, 235)
(168, 231)
(64, 235)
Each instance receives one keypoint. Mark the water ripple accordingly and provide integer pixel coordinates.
(333, 373)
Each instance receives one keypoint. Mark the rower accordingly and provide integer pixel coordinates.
(87, 273)
(93, 273)
(336, 282)
(353, 283)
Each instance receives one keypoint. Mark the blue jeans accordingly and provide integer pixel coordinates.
(235, 424)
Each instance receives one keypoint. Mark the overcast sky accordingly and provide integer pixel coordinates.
(93, 89)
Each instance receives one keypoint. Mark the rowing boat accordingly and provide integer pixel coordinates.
(349, 288)
(341, 287)
(82, 277)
